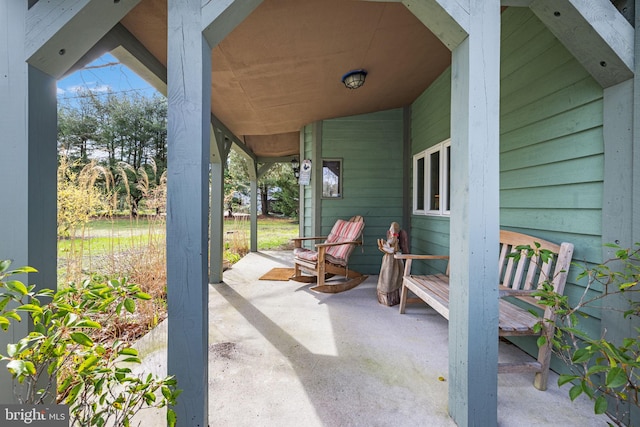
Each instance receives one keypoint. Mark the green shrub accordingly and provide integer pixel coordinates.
(93, 378)
(604, 370)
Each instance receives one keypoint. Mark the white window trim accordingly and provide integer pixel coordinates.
(416, 159)
(444, 179)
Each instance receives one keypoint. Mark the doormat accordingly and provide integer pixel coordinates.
(278, 274)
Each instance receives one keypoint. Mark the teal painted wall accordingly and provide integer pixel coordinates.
(370, 146)
(551, 147)
(430, 124)
(306, 193)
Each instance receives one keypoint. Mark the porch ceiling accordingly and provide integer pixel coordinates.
(280, 69)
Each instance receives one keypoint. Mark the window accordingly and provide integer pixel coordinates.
(331, 178)
(431, 180)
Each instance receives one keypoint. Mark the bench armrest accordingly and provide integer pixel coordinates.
(408, 258)
(417, 256)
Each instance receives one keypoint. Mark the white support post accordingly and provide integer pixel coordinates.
(188, 134)
(473, 322)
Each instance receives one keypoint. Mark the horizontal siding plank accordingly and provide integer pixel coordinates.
(522, 25)
(513, 19)
(527, 55)
(551, 76)
(581, 144)
(576, 95)
(585, 169)
(578, 221)
(431, 114)
(540, 71)
(430, 223)
(576, 196)
(586, 117)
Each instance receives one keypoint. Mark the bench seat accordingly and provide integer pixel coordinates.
(519, 279)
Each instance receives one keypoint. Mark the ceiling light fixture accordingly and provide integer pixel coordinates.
(354, 79)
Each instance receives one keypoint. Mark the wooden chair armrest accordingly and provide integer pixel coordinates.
(310, 238)
(326, 245)
(297, 241)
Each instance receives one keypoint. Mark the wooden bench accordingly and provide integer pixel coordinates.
(518, 279)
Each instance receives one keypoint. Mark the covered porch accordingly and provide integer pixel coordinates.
(282, 355)
(497, 180)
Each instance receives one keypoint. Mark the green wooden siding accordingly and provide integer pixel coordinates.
(430, 125)
(551, 143)
(306, 216)
(370, 146)
(551, 147)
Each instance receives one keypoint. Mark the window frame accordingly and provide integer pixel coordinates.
(339, 175)
(443, 149)
(417, 186)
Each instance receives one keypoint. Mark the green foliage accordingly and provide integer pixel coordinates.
(125, 134)
(604, 370)
(123, 128)
(286, 194)
(94, 379)
(278, 188)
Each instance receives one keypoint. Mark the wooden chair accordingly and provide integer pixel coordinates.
(330, 258)
(518, 280)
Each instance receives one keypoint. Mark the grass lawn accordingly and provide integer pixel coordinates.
(273, 233)
(103, 237)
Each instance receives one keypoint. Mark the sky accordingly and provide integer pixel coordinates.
(102, 75)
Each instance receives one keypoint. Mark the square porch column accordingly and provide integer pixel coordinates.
(28, 161)
(188, 134)
(473, 322)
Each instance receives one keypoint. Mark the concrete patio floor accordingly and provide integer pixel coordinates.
(282, 355)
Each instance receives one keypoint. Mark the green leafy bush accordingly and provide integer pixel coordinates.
(605, 370)
(94, 378)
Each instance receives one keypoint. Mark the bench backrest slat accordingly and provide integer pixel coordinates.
(503, 257)
(528, 273)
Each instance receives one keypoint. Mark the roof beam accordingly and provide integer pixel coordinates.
(134, 55)
(220, 17)
(264, 168)
(52, 44)
(282, 159)
(220, 146)
(446, 19)
(237, 142)
(595, 32)
(105, 44)
(130, 52)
